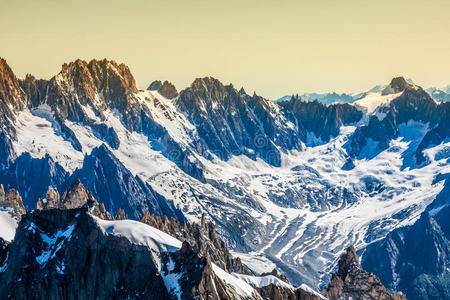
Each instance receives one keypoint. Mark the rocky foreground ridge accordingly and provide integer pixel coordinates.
(352, 282)
(62, 250)
(70, 247)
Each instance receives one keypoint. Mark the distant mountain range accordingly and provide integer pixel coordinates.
(288, 185)
(438, 94)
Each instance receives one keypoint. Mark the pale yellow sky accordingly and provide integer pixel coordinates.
(271, 47)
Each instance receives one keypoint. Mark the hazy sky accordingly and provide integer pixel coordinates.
(271, 47)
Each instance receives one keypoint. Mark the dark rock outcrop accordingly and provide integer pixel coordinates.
(197, 278)
(352, 282)
(10, 90)
(35, 89)
(12, 99)
(321, 120)
(202, 237)
(397, 85)
(166, 89)
(75, 196)
(275, 292)
(3, 250)
(12, 200)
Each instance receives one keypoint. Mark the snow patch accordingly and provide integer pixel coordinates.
(262, 281)
(54, 243)
(239, 285)
(373, 100)
(8, 226)
(172, 280)
(140, 234)
(310, 290)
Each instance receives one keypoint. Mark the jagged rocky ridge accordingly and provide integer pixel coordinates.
(352, 282)
(166, 89)
(202, 238)
(55, 245)
(101, 85)
(68, 254)
(57, 219)
(322, 121)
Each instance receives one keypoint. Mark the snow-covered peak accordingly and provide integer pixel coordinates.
(373, 100)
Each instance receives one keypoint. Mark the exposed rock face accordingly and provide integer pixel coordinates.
(202, 237)
(416, 259)
(315, 118)
(96, 85)
(113, 185)
(166, 89)
(121, 215)
(3, 249)
(197, 280)
(75, 196)
(35, 89)
(274, 292)
(12, 199)
(233, 123)
(12, 99)
(51, 200)
(352, 282)
(437, 134)
(81, 83)
(10, 91)
(398, 84)
(7, 154)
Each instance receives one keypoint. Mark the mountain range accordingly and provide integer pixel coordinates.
(289, 185)
(438, 94)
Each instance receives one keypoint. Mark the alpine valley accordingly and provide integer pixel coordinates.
(112, 192)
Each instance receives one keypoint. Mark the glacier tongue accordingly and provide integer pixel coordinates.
(304, 236)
